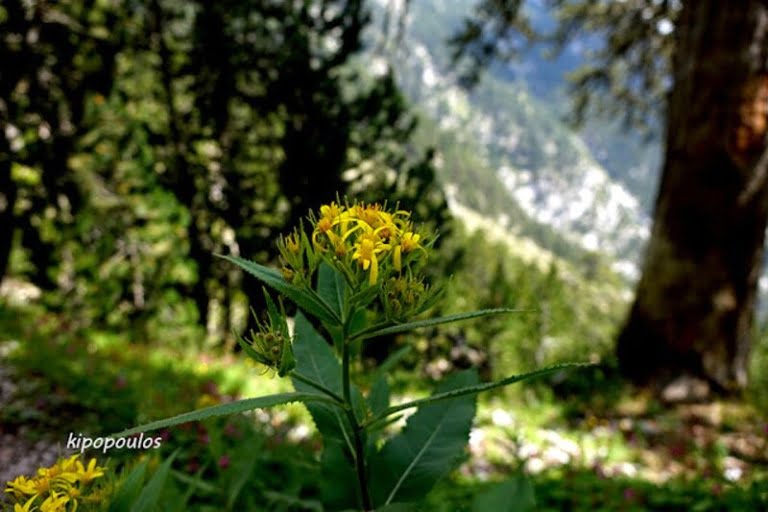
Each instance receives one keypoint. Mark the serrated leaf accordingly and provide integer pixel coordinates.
(513, 495)
(307, 300)
(226, 409)
(429, 446)
(149, 497)
(375, 331)
(316, 361)
(479, 388)
(332, 288)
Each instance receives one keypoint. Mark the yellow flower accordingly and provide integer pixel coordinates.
(366, 251)
(21, 486)
(408, 242)
(69, 465)
(331, 212)
(92, 472)
(54, 503)
(26, 507)
(73, 493)
(63, 471)
(42, 484)
(362, 233)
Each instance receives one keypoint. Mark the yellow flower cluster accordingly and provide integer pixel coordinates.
(54, 489)
(361, 237)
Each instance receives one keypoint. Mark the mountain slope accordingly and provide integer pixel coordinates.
(505, 152)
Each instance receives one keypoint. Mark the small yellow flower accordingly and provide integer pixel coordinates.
(42, 484)
(70, 464)
(331, 212)
(366, 254)
(21, 486)
(90, 473)
(55, 503)
(27, 507)
(408, 242)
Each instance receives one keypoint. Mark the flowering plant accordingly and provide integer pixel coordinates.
(58, 488)
(358, 272)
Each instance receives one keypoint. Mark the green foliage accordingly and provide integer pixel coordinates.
(429, 446)
(583, 490)
(169, 137)
(150, 495)
(513, 495)
(409, 463)
(317, 362)
(129, 490)
(226, 409)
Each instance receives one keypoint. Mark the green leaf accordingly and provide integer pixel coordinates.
(378, 397)
(332, 288)
(226, 409)
(243, 462)
(338, 485)
(365, 296)
(380, 330)
(129, 491)
(475, 389)
(513, 495)
(149, 497)
(307, 300)
(429, 446)
(195, 482)
(316, 361)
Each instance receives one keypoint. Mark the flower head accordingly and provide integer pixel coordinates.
(366, 242)
(89, 473)
(54, 488)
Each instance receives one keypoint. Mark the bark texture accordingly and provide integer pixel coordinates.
(694, 306)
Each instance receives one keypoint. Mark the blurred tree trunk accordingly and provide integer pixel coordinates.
(694, 307)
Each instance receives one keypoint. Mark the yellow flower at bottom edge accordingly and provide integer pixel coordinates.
(26, 507)
(55, 503)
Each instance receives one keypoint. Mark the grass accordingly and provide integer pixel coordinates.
(586, 447)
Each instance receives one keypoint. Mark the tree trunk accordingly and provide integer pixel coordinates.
(694, 306)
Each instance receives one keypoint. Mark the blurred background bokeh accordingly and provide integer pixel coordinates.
(140, 137)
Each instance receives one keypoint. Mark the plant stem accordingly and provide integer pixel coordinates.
(362, 479)
(359, 454)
